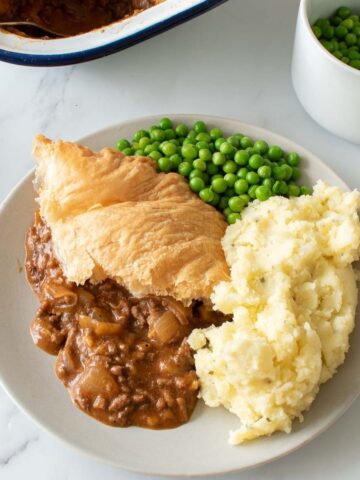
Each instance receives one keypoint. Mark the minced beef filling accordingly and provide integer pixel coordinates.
(72, 17)
(124, 360)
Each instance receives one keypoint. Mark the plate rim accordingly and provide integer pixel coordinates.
(98, 457)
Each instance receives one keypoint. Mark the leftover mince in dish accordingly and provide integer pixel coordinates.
(150, 299)
(70, 17)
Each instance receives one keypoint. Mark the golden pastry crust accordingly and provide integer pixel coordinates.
(113, 216)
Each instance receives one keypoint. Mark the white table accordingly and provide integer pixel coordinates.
(233, 61)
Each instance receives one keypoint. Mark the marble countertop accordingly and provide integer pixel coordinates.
(233, 61)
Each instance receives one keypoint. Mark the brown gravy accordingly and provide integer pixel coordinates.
(124, 360)
(71, 17)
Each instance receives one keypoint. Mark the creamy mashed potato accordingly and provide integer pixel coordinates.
(293, 297)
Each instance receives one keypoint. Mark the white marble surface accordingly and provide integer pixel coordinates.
(233, 61)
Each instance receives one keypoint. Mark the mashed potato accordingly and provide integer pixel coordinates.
(293, 297)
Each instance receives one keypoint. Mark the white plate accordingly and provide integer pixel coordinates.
(200, 446)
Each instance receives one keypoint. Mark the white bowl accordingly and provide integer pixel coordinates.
(102, 41)
(328, 89)
(198, 447)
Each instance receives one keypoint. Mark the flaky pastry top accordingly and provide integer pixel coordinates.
(113, 216)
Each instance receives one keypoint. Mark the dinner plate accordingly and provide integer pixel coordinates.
(200, 447)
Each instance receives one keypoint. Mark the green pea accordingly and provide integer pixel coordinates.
(246, 198)
(246, 142)
(256, 161)
(321, 22)
(275, 153)
(189, 141)
(250, 151)
(242, 172)
(227, 211)
(144, 141)
(170, 134)
(354, 55)
(201, 145)
(184, 168)
(128, 151)
(174, 141)
(207, 195)
(230, 179)
(218, 142)
(317, 31)
(181, 130)
(149, 148)
(199, 164)
(261, 147)
(217, 175)
(155, 155)
(241, 157)
(293, 159)
(203, 137)
(337, 54)
(296, 174)
(345, 60)
(287, 171)
(348, 23)
(276, 187)
(219, 185)
(165, 123)
(230, 167)
(211, 168)
(264, 171)
(218, 158)
(355, 64)
(283, 188)
(205, 154)
(223, 203)
(252, 191)
(335, 21)
(197, 184)
(293, 190)
(199, 126)
(278, 173)
(168, 149)
(268, 182)
(252, 178)
(236, 204)
(175, 161)
(227, 149)
(140, 134)
(232, 218)
(158, 135)
(164, 164)
(262, 193)
(327, 32)
(139, 153)
(343, 12)
(189, 152)
(241, 186)
(191, 134)
(341, 31)
(215, 133)
(234, 141)
(196, 173)
(122, 143)
(305, 190)
(351, 39)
